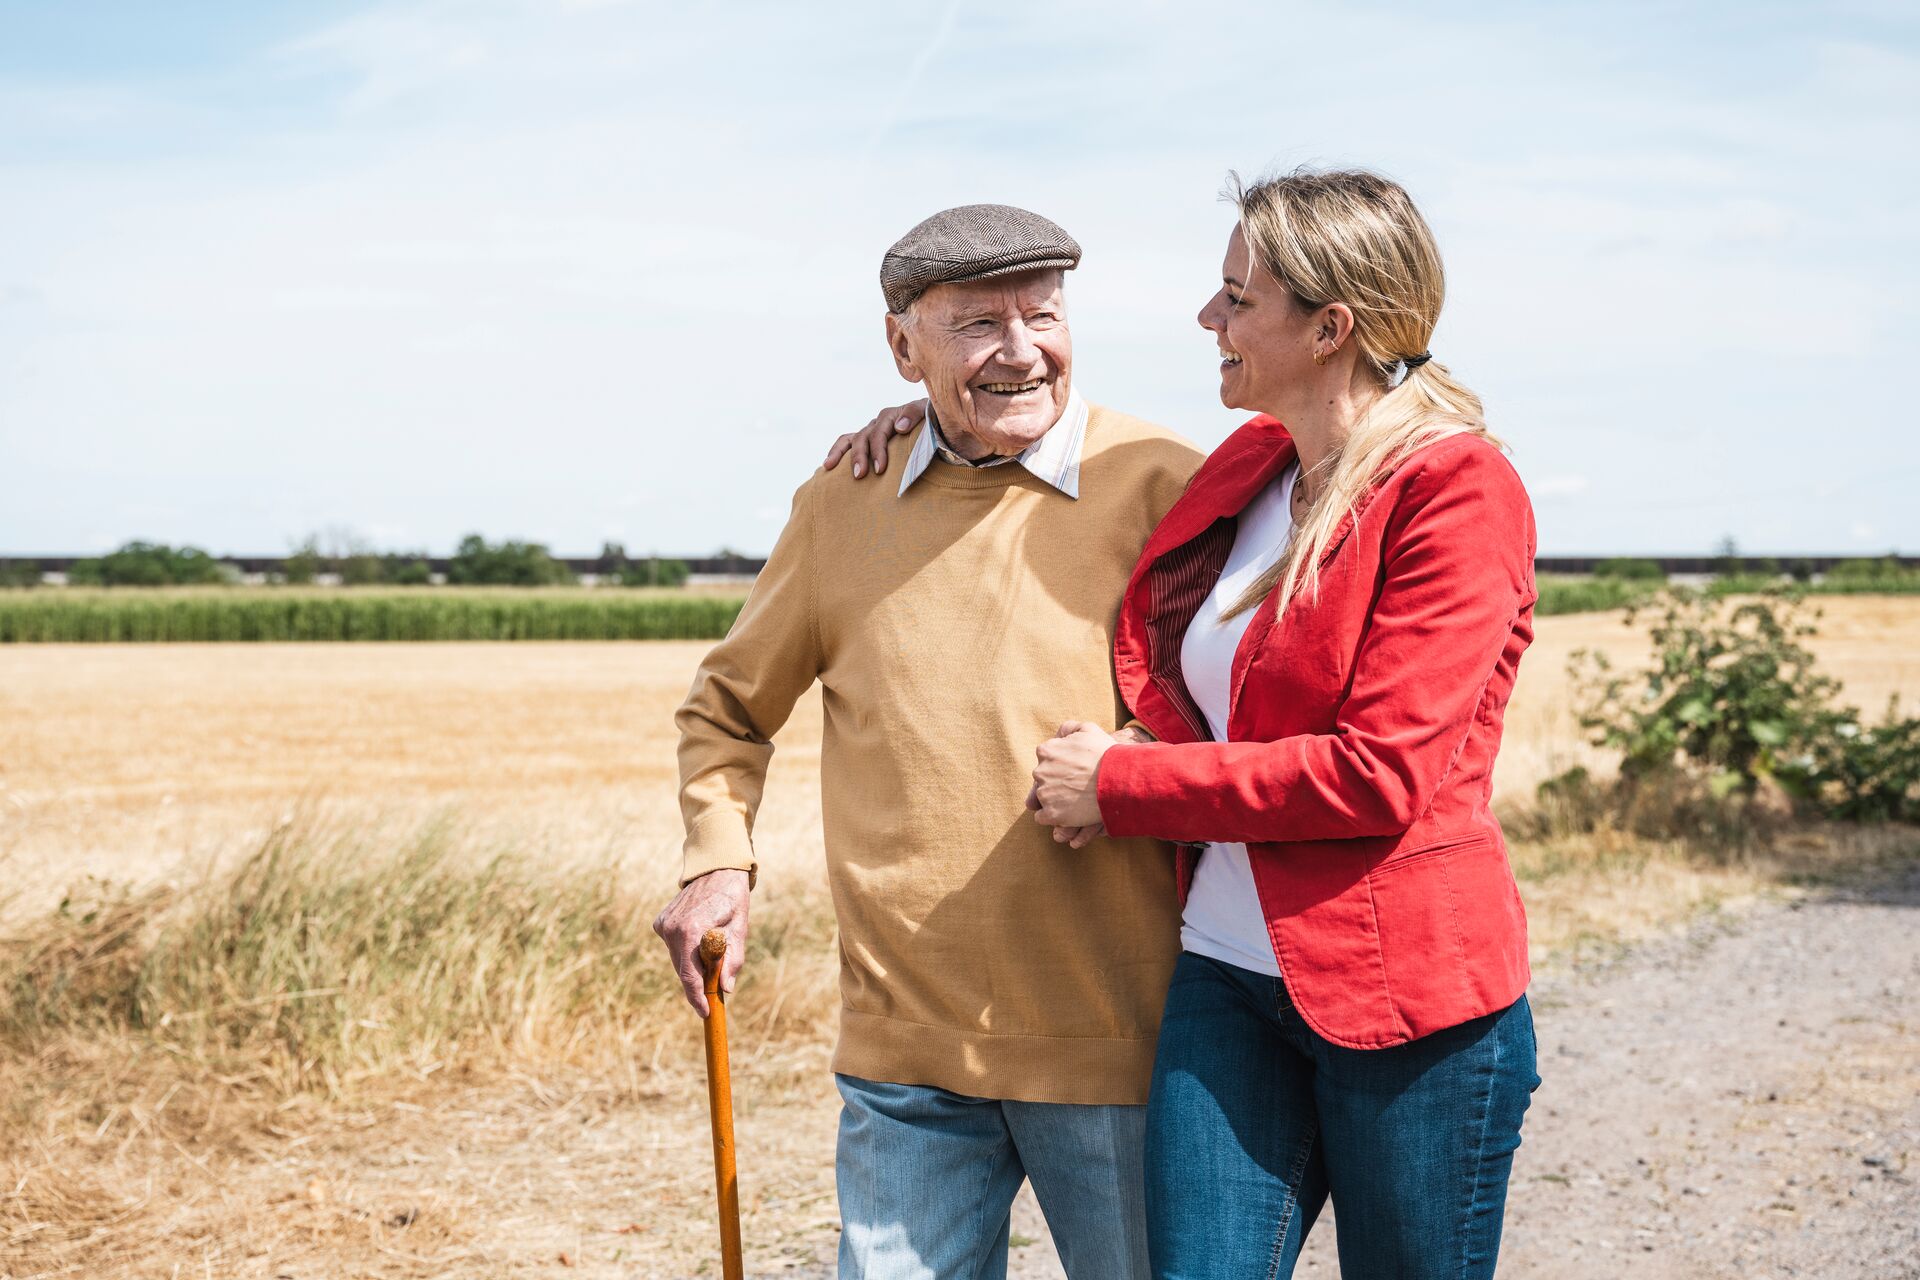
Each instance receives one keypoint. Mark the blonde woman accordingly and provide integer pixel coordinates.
(1322, 635)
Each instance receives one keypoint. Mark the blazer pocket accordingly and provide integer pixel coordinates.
(1426, 852)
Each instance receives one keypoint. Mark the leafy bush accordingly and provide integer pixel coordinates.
(149, 564)
(304, 564)
(1743, 583)
(651, 572)
(403, 570)
(355, 563)
(506, 564)
(1582, 594)
(1630, 570)
(1731, 706)
(1869, 772)
(1870, 577)
(19, 573)
(1734, 696)
(362, 569)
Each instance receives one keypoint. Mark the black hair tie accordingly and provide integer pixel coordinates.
(1414, 362)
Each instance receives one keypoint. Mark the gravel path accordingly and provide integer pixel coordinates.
(1739, 1100)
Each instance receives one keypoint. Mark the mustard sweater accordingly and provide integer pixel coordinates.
(953, 628)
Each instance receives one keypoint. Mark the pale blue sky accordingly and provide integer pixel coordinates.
(588, 270)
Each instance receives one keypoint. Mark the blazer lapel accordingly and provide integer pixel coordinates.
(1240, 468)
(1184, 560)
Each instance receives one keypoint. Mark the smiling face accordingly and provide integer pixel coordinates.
(1266, 338)
(995, 355)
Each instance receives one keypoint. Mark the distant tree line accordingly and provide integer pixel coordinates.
(476, 562)
(150, 564)
(356, 565)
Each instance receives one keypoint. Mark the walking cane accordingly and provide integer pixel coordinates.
(713, 950)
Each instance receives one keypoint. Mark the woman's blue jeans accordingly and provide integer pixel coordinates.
(1254, 1119)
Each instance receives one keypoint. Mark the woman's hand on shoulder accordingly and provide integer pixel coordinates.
(868, 446)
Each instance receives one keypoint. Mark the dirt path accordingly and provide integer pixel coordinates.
(1739, 1100)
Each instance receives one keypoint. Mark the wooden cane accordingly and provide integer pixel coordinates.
(713, 952)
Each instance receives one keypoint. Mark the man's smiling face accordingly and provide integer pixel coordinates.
(995, 355)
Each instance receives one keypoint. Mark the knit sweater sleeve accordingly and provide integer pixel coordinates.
(741, 696)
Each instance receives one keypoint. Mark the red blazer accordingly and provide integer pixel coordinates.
(1363, 726)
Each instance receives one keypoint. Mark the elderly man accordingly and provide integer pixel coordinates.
(1000, 991)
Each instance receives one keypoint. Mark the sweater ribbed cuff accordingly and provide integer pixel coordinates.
(718, 842)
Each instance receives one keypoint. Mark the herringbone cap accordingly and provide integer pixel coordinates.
(972, 242)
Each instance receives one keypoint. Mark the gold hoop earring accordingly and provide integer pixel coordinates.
(1318, 358)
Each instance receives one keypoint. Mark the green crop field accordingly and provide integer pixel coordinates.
(74, 616)
(89, 615)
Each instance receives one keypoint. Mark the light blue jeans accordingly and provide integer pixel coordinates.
(927, 1180)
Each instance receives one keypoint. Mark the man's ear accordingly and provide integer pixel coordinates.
(900, 344)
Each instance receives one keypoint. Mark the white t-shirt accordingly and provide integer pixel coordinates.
(1223, 919)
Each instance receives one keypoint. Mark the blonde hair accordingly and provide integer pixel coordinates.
(1354, 237)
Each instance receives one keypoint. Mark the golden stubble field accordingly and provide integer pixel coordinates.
(141, 764)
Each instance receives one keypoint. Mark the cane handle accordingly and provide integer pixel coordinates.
(713, 951)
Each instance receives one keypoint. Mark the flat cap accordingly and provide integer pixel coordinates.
(972, 242)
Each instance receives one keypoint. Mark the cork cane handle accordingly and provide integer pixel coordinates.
(713, 955)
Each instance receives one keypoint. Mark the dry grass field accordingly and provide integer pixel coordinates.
(570, 1138)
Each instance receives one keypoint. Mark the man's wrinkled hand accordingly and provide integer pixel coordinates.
(1066, 783)
(717, 900)
(1081, 837)
(868, 445)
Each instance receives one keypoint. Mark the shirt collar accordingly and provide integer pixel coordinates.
(1054, 457)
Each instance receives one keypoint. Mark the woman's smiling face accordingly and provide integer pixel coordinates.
(1266, 338)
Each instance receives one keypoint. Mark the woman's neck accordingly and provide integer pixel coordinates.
(1320, 427)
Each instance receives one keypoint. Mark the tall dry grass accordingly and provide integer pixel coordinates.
(210, 1073)
(325, 960)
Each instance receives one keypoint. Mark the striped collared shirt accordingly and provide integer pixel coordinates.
(1054, 457)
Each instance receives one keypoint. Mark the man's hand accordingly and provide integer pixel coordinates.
(717, 900)
(869, 444)
(1066, 783)
(1081, 837)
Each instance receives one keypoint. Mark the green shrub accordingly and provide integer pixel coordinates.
(1870, 577)
(19, 573)
(1733, 702)
(1752, 584)
(362, 569)
(1582, 594)
(355, 563)
(1630, 570)
(1734, 695)
(305, 564)
(149, 564)
(653, 571)
(507, 564)
(406, 570)
(1871, 773)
